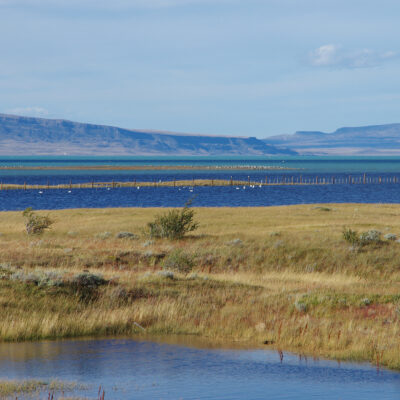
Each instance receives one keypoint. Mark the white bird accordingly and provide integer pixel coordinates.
(69, 191)
(40, 192)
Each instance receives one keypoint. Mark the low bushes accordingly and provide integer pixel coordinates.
(355, 239)
(78, 282)
(372, 236)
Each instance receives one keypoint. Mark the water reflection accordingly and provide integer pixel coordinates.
(143, 369)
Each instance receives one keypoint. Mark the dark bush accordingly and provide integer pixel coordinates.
(86, 285)
(86, 280)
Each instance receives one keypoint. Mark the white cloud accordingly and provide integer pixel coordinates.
(28, 111)
(331, 55)
(324, 55)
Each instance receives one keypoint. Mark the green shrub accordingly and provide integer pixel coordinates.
(179, 261)
(351, 236)
(174, 224)
(36, 224)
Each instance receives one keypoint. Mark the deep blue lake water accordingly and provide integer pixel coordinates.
(237, 196)
(305, 168)
(132, 369)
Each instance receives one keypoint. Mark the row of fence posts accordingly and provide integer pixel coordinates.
(300, 180)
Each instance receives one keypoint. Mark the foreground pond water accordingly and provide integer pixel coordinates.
(139, 369)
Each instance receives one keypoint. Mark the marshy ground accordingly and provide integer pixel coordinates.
(280, 275)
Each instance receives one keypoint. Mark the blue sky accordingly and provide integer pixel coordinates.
(240, 67)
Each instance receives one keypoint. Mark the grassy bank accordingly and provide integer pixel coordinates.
(283, 275)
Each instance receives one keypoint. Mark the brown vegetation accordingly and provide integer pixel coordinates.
(281, 275)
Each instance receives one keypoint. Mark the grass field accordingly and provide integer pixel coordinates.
(280, 275)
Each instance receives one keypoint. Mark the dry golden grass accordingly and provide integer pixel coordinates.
(35, 389)
(291, 281)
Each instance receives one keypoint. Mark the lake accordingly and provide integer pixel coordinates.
(307, 168)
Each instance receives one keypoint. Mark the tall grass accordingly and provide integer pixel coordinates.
(290, 281)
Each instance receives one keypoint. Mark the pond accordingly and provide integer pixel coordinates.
(182, 369)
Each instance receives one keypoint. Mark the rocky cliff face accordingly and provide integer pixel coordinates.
(39, 136)
(365, 140)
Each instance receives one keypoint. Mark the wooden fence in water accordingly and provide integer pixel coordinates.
(268, 181)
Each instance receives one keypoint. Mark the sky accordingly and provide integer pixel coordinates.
(231, 67)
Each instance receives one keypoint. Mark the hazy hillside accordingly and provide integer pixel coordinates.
(367, 140)
(33, 136)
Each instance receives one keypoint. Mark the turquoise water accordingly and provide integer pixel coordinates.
(306, 163)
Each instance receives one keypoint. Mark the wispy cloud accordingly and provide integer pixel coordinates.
(28, 111)
(331, 55)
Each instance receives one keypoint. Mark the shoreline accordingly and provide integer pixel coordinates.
(281, 275)
(205, 343)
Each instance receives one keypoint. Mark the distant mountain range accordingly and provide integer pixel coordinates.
(39, 136)
(365, 140)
